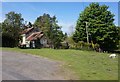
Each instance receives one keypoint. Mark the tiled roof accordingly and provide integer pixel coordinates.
(26, 30)
(34, 36)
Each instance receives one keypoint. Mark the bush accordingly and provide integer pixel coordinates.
(80, 44)
(64, 45)
(119, 45)
(97, 45)
(97, 48)
(0, 40)
(87, 46)
(72, 45)
(8, 40)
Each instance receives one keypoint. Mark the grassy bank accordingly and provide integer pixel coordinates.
(87, 65)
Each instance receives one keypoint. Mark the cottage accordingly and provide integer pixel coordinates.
(33, 38)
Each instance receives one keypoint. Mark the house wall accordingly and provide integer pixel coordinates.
(27, 44)
(43, 41)
(40, 42)
(23, 39)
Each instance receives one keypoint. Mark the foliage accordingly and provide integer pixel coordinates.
(118, 32)
(30, 25)
(87, 45)
(81, 44)
(0, 28)
(119, 38)
(97, 45)
(8, 40)
(51, 29)
(70, 42)
(84, 45)
(10, 29)
(100, 26)
(64, 45)
(0, 34)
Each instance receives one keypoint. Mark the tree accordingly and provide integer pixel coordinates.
(44, 23)
(71, 42)
(65, 36)
(0, 27)
(11, 28)
(29, 24)
(119, 37)
(101, 28)
(57, 36)
(51, 29)
(0, 34)
(119, 32)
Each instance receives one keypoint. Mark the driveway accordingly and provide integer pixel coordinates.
(19, 66)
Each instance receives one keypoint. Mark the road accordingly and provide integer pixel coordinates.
(19, 66)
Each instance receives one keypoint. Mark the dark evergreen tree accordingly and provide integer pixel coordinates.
(29, 24)
(101, 28)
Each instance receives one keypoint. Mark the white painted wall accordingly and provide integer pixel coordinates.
(23, 39)
(28, 44)
(33, 44)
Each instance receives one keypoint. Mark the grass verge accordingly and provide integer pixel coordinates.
(87, 65)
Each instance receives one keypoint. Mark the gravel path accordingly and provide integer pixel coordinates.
(19, 66)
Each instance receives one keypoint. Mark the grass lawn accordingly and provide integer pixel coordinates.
(86, 65)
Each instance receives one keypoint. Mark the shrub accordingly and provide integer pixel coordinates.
(64, 45)
(8, 40)
(97, 47)
(80, 44)
(87, 46)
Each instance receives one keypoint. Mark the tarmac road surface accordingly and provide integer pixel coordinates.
(19, 66)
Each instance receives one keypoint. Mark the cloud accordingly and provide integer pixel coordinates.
(1, 19)
(67, 27)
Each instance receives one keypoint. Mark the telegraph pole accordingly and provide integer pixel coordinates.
(87, 32)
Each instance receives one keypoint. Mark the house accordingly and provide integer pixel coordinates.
(33, 38)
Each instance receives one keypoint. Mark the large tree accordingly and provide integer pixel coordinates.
(0, 34)
(11, 28)
(0, 28)
(101, 28)
(51, 29)
(119, 37)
